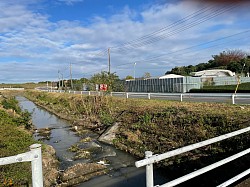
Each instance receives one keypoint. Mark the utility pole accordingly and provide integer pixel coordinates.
(109, 82)
(62, 81)
(59, 83)
(109, 59)
(71, 82)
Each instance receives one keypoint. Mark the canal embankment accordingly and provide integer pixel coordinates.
(158, 126)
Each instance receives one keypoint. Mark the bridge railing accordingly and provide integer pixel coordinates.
(150, 159)
(35, 157)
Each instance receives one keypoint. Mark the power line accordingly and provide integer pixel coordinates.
(219, 39)
(164, 28)
(176, 31)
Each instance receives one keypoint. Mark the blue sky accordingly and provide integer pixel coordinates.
(38, 38)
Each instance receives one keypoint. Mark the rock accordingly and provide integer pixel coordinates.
(82, 154)
(81, 172)
(109, 135)
(44, 132)
(50, 166)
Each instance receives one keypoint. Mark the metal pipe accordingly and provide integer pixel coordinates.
(157, 158)
(36, 165)
(149, 171)
(234, 179)
(205, 169)
(233, 99)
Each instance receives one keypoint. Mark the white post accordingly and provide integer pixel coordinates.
(127, 95)
(111, 94)
(233, 100)
(149, 171)
(148, 95)
(181, 97)
(81, 92)
(74, 92)
(89, 92)
(36, 165)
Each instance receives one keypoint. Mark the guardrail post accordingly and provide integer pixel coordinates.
(233, 99)
(127, 95)
(74, 92)
(181, 97)
(111, 94)
(36, 165)
(149, 171)
(148, 95)
(89, 92)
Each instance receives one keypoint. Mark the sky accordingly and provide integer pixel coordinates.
(39, 39)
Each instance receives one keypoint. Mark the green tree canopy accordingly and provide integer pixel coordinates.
(231, 59)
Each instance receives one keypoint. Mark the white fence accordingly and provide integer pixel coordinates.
(150, 159)
(11, 88)
(35, 157)
(239, 98)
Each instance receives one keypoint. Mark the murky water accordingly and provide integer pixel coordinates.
(122, 171)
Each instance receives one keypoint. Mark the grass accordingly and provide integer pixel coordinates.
(156, 125)
(24, 85)
(14, 139)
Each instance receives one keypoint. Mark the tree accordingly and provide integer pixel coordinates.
(224, 58)
(230, 59)
(146, 75)
(112, 80)
(234, 67)
(128, 77)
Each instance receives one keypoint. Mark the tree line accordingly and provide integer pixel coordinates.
(237, 61)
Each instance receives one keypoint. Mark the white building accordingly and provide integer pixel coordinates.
(214, 73)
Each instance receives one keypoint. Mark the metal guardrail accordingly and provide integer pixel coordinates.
(11, 88)
(172, 96)
(35, 157)
(150, 159)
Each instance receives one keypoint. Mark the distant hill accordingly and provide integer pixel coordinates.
(233, 60)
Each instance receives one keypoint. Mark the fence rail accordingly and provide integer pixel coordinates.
(35, 157)
(150, 159)
(207, 97)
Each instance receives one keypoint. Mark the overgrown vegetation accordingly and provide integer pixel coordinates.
(24, 85)
(14, 139)
(154, 125)
(243, 88)
(23, 118)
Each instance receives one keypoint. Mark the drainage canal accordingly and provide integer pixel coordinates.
(59, 134)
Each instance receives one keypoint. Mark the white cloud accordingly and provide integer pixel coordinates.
(70, 2)
(41, 47)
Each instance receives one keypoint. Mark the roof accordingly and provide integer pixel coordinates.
(168, 76)
(214, 73)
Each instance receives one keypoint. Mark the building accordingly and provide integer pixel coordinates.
(214, 73)
(170, 83)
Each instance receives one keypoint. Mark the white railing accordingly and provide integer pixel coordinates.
(35, 157)
(11, 88)
(150, 159)
(207, 97)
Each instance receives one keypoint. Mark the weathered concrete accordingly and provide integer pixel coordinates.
(109, 135)
(81, 172)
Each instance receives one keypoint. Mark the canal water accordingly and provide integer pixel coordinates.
(122, 172)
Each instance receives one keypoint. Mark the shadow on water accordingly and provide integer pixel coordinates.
(121, 168)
